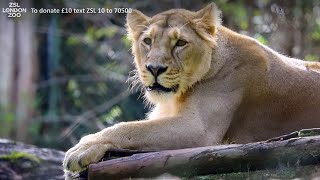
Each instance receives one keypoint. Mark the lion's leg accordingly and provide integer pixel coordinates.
(160, 134)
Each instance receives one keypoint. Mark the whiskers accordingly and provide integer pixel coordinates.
(135, 84)
(147, 104)
(134, 81)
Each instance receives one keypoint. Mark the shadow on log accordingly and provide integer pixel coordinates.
(192, 162)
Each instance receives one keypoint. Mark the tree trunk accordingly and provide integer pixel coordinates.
(7, 26)
(25, 61)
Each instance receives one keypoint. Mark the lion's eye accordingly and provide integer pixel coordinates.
(147, 41)
(181, 42)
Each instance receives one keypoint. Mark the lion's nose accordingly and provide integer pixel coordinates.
(156, 70)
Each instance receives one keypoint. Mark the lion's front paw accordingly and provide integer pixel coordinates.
(83, 154)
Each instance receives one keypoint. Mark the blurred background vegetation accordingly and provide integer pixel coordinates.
(63, 76)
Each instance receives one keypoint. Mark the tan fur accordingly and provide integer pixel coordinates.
(231, 87)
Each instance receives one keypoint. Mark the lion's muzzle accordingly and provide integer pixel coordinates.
(156, 70)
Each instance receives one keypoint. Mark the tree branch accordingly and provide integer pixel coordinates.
(295, 152)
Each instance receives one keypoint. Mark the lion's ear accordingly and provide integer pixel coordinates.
(207, 20)
(136, 23)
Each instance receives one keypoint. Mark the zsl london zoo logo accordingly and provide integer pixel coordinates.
(14, 10)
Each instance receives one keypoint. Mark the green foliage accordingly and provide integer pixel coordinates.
(312, 57)
(316, 32)
(34, 128)
(94, 34)
(7, 120)
(108, 32)
(16, 156)
(73, 40)
(237, 10)
(7, 116)
(110, 117)
(127, 43)
(261, 39)
(74, 92)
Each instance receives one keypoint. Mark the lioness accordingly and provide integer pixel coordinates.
(208, 84)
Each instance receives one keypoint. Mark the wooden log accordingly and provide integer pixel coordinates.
(294, 152)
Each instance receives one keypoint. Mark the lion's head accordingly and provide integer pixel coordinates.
(172, 49)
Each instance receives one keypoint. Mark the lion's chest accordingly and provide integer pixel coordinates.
(163, 110)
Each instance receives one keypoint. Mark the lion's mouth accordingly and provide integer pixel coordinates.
(158, 87)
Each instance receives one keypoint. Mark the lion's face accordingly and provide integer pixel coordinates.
(172, 50)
